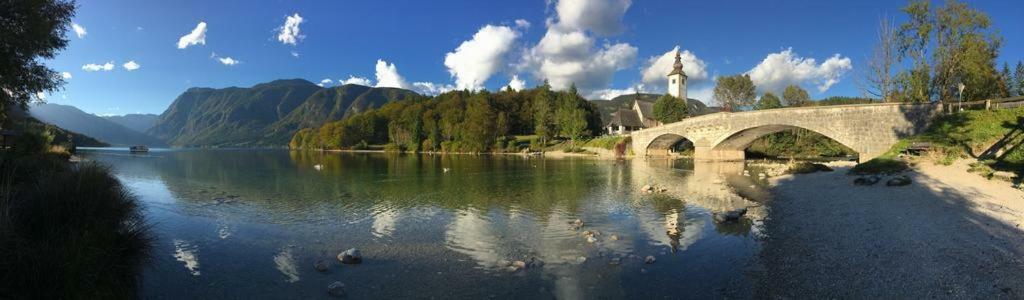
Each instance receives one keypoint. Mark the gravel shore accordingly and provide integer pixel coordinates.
(950, 234)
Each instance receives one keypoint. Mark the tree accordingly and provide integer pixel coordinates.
(33, 32)
(669, 109)
(768, 101)
(543, 113)
(736, 90)
(796, 96)
(571, 118)
(1019, 79)
(913, 38)
(1005, 81)
(878, 80)
(479, 125)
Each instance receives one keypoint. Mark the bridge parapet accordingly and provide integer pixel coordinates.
(869, 129)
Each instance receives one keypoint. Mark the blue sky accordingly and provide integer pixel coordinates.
(604, 46)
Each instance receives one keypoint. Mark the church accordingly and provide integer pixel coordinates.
(641, 114)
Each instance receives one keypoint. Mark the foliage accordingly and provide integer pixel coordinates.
(877, 80)
(796, 96)
(768, 101)
(734, 91)
(797, 143)
(879, 165)
(571, 115)
(33, 33)
(981, 134)
(1018, 77)
(807, 168)
(69, 231)
(669, 109)
(843, 100)
(606, 142)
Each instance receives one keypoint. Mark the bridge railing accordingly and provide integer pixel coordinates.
(987, 104)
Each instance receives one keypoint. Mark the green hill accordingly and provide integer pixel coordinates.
(608, 107)
(73, 119)
(19, 120)
(136, 122)
(266, 114)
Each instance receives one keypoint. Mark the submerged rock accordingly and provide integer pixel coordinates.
(614, 237)
(336, 289)
(649, 259)
(869, 180)
(731, 216)
(615, 261)
(351, 256)
(320, 265)
(519, 264)
(591, 239)
(898, 181)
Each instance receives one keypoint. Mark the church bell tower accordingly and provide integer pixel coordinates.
(677, 79)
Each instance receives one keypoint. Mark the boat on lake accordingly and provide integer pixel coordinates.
(138, 149)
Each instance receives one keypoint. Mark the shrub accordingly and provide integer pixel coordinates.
(880, 165)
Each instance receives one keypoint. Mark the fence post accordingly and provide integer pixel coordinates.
(988, 104)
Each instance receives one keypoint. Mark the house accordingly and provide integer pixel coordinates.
(641, 115)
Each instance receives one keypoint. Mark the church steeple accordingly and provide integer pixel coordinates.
(677, 79)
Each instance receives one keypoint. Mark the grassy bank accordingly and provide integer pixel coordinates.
(68, 231)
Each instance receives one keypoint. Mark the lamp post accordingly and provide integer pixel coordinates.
(961, 87)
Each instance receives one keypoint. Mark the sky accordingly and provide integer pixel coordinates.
(129, 56)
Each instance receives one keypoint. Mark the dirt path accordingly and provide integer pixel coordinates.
(950, 234)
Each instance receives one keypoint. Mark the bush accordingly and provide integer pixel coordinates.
(69, 231)
(880, 165)
(606, 142)
(806, 168)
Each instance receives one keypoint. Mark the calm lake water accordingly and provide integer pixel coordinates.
(251, 223)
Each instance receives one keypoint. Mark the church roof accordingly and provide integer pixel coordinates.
(646, 108)
(625, 117)
(677, 67)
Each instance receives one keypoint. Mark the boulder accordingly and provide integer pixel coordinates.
(519, 264)
(591, 239)
(869, 180)
(336, 289)
(351, 256)
(898, 181)
(731, 216)
(320, 265)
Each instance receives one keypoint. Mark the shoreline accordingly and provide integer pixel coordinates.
(950, 234)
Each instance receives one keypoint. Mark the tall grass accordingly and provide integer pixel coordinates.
(67, 230)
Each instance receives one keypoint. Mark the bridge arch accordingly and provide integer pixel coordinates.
(740, 140)
(662, 145)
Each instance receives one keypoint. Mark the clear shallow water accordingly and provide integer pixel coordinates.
(251, 224)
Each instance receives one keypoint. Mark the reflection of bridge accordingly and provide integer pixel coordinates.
(869, 129)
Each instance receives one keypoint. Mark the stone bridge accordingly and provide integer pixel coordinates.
(869, 129)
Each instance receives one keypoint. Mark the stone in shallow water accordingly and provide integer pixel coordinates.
(336, 289)
(320, 265)
(519, 264)
(649, 259)
(351, 256)
(591, 239)
(898, 181)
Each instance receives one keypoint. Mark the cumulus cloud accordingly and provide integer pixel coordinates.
(781, 69)
(97, 67)
(196, 37)
(289, 33)
(228, 61)
(325, 82)
(603, 17)
(430, 88)
(657, 68)
(516, 84)
(608, 94)
(475, 60)
(79, 30)
(356, 80)
(524, 24)
(295, 54)
(131, 65)
(387, 76)
(568, 54)
(65, 75)
(41, 96)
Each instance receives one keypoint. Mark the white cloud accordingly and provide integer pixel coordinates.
(289, 33)
(608, 94)
(603, 17)
(325, 82)
(387, 76)
(196, 37)
(779, 70)
(79, 30)
(356, 80)
(705, 94)
(228, 61)
(295, 54)
(475, 60)
(516, 84)
(41, 96)
(430, 88)
(657, 68)
(131, 65)
(95, 67)
(65, 75)
(524, 24)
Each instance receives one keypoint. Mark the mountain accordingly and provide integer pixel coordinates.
(138, 122)
(267, 114)
(19, 120)
(71, 118)
(608, 107)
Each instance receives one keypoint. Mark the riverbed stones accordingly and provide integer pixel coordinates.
(649, 259)
(336, 289)
(898, 181)
(614, 237)
(591, 239)
(519, 264)
(351, 256)
(731, 216)
(647, 188)
(867, 180)
(320, 265)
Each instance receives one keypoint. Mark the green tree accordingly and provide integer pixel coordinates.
(479, 125)
(1005, 81)
(543, 113)
(733, 91)
(33, 32)
(669, 109)
(768, 101)
(1019, 79)
(571, 117)
(796, 96)
(913, 39)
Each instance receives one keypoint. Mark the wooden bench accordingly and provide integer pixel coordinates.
(918, 147)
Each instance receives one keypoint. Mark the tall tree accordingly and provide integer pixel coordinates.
(1019, 79)
(669, 109)
(1005, 81)
(543, 113)
(33, 31)
(479, 125)
(796, 96)
(965, 52)
(733, 91)
(877, 80)
(571, 117)
(913, 38)
(768, 101)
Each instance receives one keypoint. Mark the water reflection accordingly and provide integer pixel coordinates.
(413, 218)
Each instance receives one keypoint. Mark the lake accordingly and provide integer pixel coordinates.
(252, 223)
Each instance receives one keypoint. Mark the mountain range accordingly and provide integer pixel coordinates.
(73, 119)
(137, 122)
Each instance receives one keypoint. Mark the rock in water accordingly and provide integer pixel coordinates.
(614, 237)
(591, 239)
(647, 188)
(731, 216)
(898, 181)
(320, 265)
(649, 259)
(519, 264)
(336, 289)
(870, 180)
(351, 256)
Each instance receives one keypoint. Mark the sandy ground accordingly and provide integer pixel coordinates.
(950, 234)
